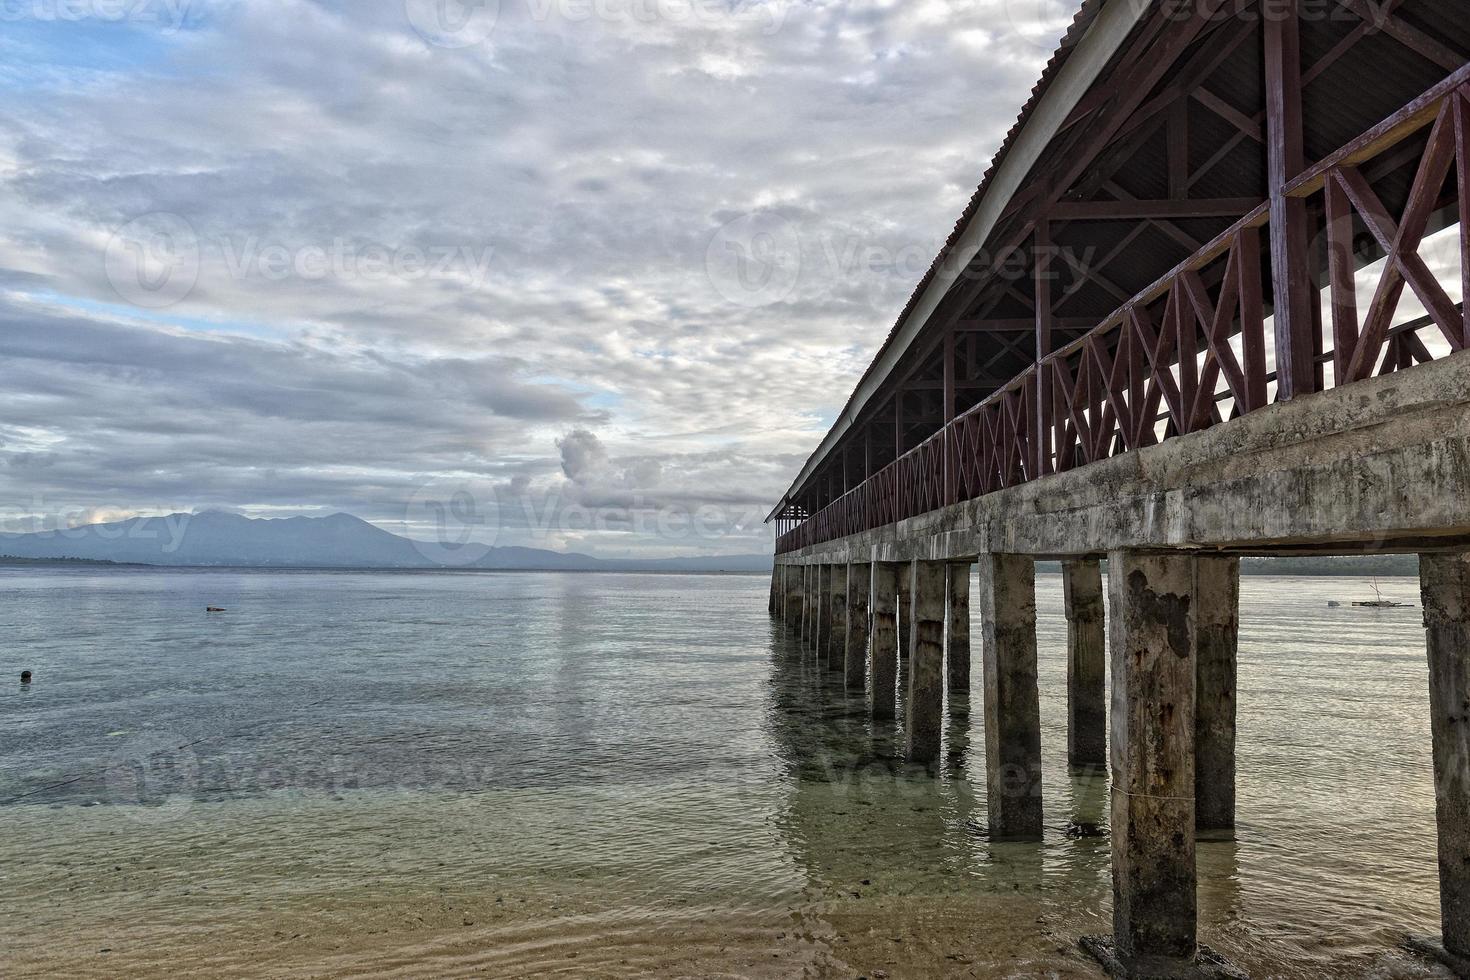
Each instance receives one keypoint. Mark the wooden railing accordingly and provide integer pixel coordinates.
(1193, 349)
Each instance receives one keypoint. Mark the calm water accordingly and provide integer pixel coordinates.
(383, 774)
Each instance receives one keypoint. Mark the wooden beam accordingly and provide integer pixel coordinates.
(1041, 260)
(1428, 48)
(1228, 207)
(1019, 324)
(1290, 277)
(1248, 126)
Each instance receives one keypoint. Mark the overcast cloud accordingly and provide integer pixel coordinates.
(617, 259)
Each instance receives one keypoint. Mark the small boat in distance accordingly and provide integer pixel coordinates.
(214, 608)
(1381, 603)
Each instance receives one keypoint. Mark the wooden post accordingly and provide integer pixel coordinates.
(1040, 431)
(1292, 280)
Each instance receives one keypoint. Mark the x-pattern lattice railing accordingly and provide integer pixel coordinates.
(1194, 349)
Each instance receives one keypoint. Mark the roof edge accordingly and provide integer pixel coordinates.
(1102, 38)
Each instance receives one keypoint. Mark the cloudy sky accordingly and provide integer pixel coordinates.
(604, 268)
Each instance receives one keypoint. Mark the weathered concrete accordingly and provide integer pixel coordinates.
(859, 586)
(1153, 635)
(924, 696)
(1012, 707)
(824, 610)
(776, 579)
(793, 595)
(837, 601)
(1217, 629)
(1328, 472)
(809, 606)
(883, 684)
(957, 638)
(1445, 586)
(1087, 710)
(905, 610)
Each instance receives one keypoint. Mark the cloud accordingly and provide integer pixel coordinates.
(489, 263)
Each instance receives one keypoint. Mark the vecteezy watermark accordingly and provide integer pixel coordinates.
(760, 258)
(156, 260)
(456, 529)
(249, 258)
(153, 260)
(755, 259)
(1041, 22)
(155, 774)
(172, 15)
(453, 23)
(465, 23)
(456, 525)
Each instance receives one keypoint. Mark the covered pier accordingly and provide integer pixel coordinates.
(1206, 303)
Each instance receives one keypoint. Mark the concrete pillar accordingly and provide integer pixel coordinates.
(1087, 710)
(776, 591)
(859, 586)
(957, 633)
(1444, 582)
(837, 604)
(821, 609)
(808, 604)
(924, 698)
(1153, 636)
(883, 687)
(1216, 633)
(1012, 706)
(905, 610)
(793, 595)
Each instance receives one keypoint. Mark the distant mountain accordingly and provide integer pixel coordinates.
(338, 541)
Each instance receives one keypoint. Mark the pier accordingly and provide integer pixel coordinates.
(1200, 308)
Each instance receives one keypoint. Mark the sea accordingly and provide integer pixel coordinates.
(419, 774)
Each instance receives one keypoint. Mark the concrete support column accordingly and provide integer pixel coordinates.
(859, 586)
(1012, 706)
(1444, 582)
(957, 633)
(1216, 633)
(905, 610)
(1153, 635)
(822, 612)
(793, 595)
(808, 604)
(1087, 710)
(924, 699)
(883, 687)
(837, 624)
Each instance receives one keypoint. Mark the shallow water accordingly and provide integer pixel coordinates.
(401, 774)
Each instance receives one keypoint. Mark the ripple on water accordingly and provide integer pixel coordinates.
(416, 775)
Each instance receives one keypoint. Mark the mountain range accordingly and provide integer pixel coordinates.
(339, 541)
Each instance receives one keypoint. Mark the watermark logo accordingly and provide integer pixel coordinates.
(754, 260)
(1042, 23)
(153, 260)
(171, 15)
(154, 774)
(454, 528)
(453, 23)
